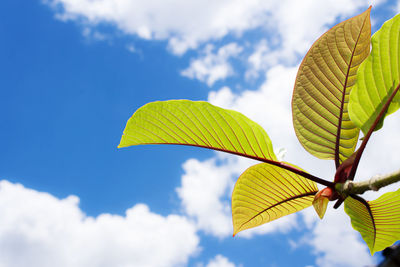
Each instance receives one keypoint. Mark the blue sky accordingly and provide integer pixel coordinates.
(73, 72)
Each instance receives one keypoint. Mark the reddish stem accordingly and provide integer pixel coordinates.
(365, 141)
(370, 131)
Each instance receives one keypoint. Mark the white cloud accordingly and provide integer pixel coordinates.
(94, 34)
(293, 27)
(131, 48)
(220, 261)
(301, 22)
(186, 24)
(211, 67)
(261, 59)
(38, 229)
(204, 191)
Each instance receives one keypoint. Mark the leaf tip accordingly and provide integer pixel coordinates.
(122, 142)
(120, 145)
(235, 231)
(368, 10)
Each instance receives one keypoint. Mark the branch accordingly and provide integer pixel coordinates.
(375, 183)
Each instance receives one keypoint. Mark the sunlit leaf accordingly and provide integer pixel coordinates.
(264, 193)
(377, 77)
(197, 123)
(378, 221)
(322, 89)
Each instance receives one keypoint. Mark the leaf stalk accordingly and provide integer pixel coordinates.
(370, 131)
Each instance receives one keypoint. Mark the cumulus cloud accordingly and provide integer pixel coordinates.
(293, 27)
(38, 229)
(211, 67)
(187, 24)
(220, 261)
(204, 193)
(184, 24)
(261, 58)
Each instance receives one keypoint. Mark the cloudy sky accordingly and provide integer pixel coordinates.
(71, 74)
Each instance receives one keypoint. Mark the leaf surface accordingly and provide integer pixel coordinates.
(377, 77)
(197, 123)
(322, 88)
(378, 221)
(264, 193)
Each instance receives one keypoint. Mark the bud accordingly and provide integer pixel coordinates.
(321, 200)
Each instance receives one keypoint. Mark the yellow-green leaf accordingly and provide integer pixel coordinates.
(377, 77)
(320, 204)
(322, 88)
(197, 123)
(378, 221)
(264, 193)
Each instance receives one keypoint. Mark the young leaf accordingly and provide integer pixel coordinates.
(378, 221)
(322, 88)
(321, 201)
(264, 193)
(197, 123)
(377, 77)
(320, 204)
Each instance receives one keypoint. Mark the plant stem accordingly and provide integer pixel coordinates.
(375, 183)
(280, 164)
(370, 131)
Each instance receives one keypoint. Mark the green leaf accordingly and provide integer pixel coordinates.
(378, 221)
(322, 88)
(377, 77)
(264, 193)
(197, 123)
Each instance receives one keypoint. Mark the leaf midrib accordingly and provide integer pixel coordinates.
(366, 205)
(337, 146)
(276, 204)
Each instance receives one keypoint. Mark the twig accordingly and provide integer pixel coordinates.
(375, 183)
